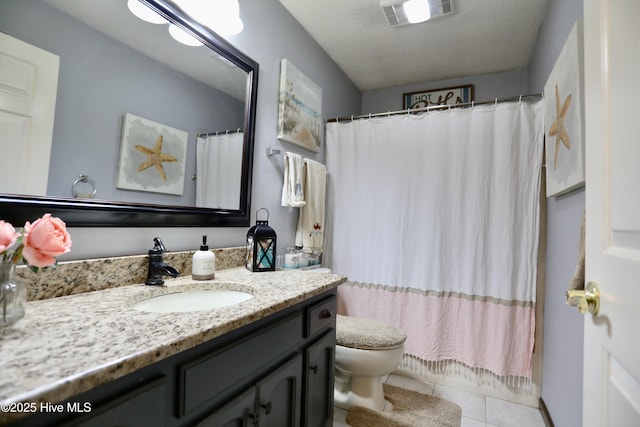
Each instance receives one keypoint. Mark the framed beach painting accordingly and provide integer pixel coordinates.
(299, 108)
(564, 118)
(152, 156)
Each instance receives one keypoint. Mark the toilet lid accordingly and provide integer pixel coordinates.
(367, 334)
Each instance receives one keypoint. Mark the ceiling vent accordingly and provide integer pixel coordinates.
(394, 11)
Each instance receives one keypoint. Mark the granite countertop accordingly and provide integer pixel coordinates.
(67, 345)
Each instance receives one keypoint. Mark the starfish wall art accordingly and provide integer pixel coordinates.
(563, 116)
(152, 156)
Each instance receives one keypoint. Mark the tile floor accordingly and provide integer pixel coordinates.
(477, 410)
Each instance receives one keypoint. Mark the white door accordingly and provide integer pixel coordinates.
(612, 93)
(28, 89)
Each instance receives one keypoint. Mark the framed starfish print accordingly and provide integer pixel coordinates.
(152, 156)
(564, 118)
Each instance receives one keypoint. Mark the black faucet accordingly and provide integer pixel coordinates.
(157, 267)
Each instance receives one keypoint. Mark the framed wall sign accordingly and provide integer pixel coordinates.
(443, 96)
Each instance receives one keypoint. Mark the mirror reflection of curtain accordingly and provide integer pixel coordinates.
(219, 170)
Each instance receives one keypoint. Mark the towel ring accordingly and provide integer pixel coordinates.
(84, 179)
(520, 98)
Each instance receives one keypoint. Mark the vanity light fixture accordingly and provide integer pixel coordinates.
(183, 37)
(222, 16)
(404, 12)
(143, 12)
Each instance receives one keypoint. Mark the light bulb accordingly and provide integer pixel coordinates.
(417, 11)
(145, 13)
(222, 16)
(182, 36)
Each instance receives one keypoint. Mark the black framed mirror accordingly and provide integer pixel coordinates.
(135, 210)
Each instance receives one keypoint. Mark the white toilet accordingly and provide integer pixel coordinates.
(366, 350)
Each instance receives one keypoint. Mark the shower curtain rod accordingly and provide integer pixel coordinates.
(216, 133)
(435, 107)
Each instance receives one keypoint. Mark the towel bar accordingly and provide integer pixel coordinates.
(272, 151)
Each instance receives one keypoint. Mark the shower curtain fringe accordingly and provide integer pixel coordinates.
(449, 367)
(520, 98)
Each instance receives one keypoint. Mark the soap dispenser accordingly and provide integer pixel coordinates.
(203, 266)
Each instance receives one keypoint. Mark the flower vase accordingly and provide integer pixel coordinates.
(13, 294)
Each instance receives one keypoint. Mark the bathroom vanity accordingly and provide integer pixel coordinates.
(93, 360)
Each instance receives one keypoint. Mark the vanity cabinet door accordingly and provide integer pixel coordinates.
(144, 406)
(238, 413)
(318, 380)
(279, 396)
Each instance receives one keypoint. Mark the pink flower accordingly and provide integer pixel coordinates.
(44, 240)
(8, 236)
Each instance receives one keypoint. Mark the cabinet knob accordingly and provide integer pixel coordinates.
(325, 314)
(267, 408)
(313, 368)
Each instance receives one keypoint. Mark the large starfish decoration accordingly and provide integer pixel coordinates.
(155, 158)
(557, 128)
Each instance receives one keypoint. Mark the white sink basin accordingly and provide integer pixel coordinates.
(192, 300)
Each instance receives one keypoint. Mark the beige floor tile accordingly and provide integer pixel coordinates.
(502, 413)
(472, 404)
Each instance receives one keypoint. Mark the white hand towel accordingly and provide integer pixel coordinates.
(310, 232)
(292, 188)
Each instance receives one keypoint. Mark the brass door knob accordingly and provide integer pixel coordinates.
(587, 300)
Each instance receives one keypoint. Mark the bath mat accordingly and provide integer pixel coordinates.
(410, 409)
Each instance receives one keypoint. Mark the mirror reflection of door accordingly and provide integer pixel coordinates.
(113, 64)
(28, 89)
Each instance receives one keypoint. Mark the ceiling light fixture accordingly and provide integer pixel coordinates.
(416, 10)
(404, 12)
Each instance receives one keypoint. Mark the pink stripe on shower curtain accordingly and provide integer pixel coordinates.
(452, 327)
(435, 220)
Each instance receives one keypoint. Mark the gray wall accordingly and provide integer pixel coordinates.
(99, 80)
(562, 359)
(270, 34)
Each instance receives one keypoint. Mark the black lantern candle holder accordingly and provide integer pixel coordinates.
(261, 246)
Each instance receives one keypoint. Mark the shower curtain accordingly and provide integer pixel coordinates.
(219, 170)
(434, 218)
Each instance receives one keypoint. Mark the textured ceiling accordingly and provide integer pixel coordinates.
(480, 36)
